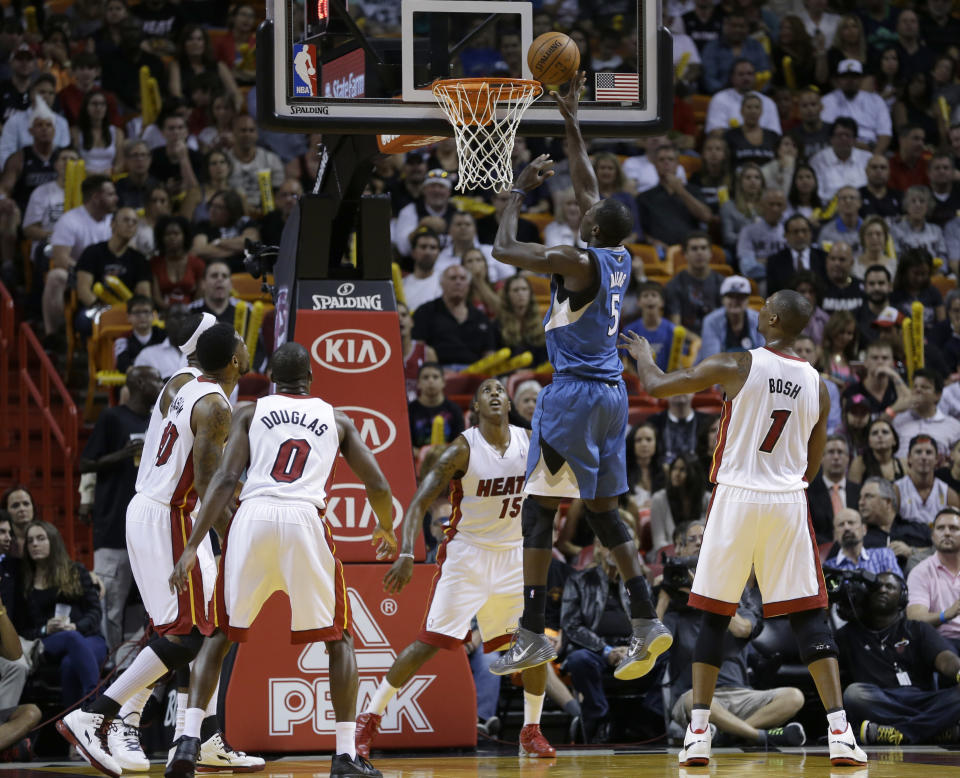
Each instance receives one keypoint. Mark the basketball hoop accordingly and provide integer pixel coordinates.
(484, 138)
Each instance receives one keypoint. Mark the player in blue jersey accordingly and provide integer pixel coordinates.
(578, 447)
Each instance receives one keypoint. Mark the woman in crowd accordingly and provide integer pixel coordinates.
(99, 143)
(237, 49)
(19, 503)
(912, 230)
(915, 106)
(61, 606)
(750, 142)
(481, 294)
(714, 172)
(645, 471)
(225, 233)
(809, 61)
(879, 459)
(802, 197)
(177, 274)
(912, 282)
(875, 244)
(740, 210)
(809, 286)
(886, 81)
(107, 39)
(157, 206)
(945, 334)
(521, 327)
(194, 59)
(945, 81)
(839, 349)
(856, 419)
(778, 172)
(524, 402)
(684, 499)
(564, 230)
(217, 169)
(612, 183)
(849, 42)
(416, 353)
(218, 134)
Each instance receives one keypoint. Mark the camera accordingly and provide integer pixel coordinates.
(848, 590)
(258, 261)
(677, 578)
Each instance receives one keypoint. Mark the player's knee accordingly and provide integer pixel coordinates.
(177, 651)
(814, 638)
(708, 649)
(537, 524)
(609, 527)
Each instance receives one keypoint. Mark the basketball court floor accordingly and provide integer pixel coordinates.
(493, 761)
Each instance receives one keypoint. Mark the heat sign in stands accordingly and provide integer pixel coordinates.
(279, 699)
(352, 332)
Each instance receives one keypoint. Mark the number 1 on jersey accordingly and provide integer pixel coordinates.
(775, 431)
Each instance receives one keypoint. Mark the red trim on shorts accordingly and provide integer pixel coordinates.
(456, 497)
(813, 602)
(192, 610)
(719, 607)
(315, 635)
(721, 439)
(493, 645)
(442, 641)
(441, 557)
(341, 615)
(785, 356)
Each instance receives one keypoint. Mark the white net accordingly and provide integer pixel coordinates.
(485, 113)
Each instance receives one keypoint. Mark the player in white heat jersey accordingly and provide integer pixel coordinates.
(278, 540)
(772, 435)
(479, 563)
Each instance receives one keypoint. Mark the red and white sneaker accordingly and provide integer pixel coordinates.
(534, 744)
(368, 725)
(844, 749)
(696, 748)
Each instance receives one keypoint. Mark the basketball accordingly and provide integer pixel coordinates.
(553, 58)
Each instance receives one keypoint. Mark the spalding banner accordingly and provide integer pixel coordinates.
(283, 702)
(352, 332)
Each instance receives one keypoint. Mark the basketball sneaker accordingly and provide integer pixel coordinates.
(342, 766)
(217, 755)
(534, 744)
(696, 748)
(527, 649)
(184, 762)
(368, 727)
(124, 742)
(88, 732)
(650, 639)
(874, 734)
(844, 749)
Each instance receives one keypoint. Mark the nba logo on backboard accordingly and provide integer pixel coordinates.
(304, 70)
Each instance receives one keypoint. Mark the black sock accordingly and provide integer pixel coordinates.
(534, 607)
(108, 707)
(208, 728)
(183, 678)
(641, 606)
(572, 708)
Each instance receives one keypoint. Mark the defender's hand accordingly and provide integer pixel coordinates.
(181, 573)
(534, 174)
(385, 541)
(398, 576)
(570, 102)
(636, 347)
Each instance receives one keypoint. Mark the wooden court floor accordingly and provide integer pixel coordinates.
(906, 762)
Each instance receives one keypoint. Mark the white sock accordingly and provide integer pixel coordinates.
(346, 732)
(130, 710)
(181, 714)
(699, 719)
(532, 705)
(381, 698)
(192, 721)
(143, 671)
(837, 721)
(212, 705)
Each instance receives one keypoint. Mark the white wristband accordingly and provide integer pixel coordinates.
(404, 556)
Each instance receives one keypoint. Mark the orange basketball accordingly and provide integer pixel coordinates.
(553, 58)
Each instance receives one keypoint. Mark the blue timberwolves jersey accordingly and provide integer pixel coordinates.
(582, 327)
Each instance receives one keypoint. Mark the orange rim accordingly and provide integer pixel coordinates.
(481, 95)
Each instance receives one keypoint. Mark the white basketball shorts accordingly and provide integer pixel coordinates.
(770, 531)
(471, 580)
(281, 546)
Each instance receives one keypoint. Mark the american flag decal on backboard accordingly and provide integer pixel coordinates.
(618, 86)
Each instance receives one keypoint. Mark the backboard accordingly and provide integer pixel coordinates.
(366, 66)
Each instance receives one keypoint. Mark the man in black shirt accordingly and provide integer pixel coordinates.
(704, 22)
(15, 93)
(672, 209)
(890, 662)
(842, 292)
(113, 453)
(946, 194)
(140, 310)
(121, 68)
(132, 189)
(811, 135)
(430, 403)
(173, 164)
(878, 507)
(695, 290)
(161, 24)
(271, 228)
(876, 197)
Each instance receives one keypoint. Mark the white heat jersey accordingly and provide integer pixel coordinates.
(765, 430)
(293, 448)
(166, 468)
(488, 498)
(151, 438)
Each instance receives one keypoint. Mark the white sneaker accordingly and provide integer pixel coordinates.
(216, 755)
(696, 748)
(88, 732)
(124, 742)
(844, 749)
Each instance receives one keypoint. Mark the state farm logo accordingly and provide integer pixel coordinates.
(350, 515)
(351, 351)
(376, 429)
(296, 701)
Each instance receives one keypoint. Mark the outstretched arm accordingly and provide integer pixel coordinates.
(364, 465)
(581, 171)
(727, 370)
(451, 464)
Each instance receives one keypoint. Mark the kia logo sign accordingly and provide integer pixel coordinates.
(346, 289)
(376, 429)
(351, 351)
(350, 515)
